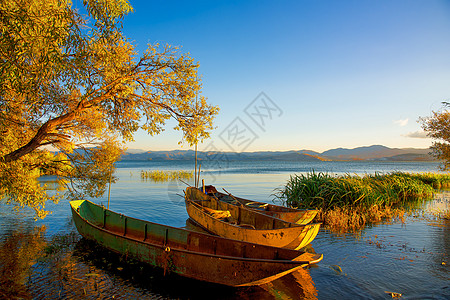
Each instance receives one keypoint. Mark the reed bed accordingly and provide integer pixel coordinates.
(348, 202)
(437, 181)
(163, 176)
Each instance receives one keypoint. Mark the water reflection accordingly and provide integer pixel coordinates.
(125, 277)
(440, 231)
(55, 263)
(130, 278)
(19, 251)
(67, 267)
(297, 285)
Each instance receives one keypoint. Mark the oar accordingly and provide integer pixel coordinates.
(184, 182)
(233, 197)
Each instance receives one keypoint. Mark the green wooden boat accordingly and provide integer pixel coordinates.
(188, 253)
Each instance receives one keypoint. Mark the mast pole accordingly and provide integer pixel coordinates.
(109, 189)
(195, 169)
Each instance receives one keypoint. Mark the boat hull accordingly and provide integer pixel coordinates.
(187, 253)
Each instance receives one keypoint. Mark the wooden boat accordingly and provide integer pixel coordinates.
(236, 222)
(188, 253)
(299, 216)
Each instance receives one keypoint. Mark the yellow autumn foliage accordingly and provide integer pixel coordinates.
(437, 127)
(76, 84)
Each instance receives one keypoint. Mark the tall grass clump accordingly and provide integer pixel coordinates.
(436, 180)
(349, 202)
(163, 176)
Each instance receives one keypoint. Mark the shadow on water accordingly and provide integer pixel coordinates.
(120, 274)
(124, 277)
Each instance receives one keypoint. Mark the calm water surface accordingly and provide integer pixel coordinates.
(48, 259)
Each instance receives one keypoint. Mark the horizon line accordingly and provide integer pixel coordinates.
(231, 151)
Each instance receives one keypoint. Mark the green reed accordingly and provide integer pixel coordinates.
(324, 191)
(437, 181)
(348, 202)
(163, 176)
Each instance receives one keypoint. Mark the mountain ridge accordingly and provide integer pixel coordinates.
(373, 152)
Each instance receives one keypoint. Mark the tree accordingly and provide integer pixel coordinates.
(76, 83)
(437, 127)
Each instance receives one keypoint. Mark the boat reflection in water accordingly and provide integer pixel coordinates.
(112, 275)
(19, 251)
(297, 285)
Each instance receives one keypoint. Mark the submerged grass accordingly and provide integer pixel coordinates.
(163, 176)
(348, 202)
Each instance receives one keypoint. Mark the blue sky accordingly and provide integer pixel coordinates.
(332, 73)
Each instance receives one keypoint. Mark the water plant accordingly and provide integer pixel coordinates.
(350, 201)
(436, 180)
(163, 176)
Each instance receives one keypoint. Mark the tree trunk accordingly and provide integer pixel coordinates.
(39, 137)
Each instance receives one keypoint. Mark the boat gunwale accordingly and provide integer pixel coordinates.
(284, 261)
(290, 209)
(300, 216)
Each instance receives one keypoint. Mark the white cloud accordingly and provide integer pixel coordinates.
(417, 134)
(402, 122)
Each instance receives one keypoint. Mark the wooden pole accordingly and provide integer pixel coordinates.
(196, 135)
(198, 176)
(195, 169)
(109, 189)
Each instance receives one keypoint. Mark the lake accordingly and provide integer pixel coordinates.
(48, 259)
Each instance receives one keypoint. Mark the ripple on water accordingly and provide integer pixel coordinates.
(405, 258)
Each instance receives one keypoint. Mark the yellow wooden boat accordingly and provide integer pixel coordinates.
(235, 222)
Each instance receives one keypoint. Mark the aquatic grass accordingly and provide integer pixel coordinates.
(163, 176)
(322, 190)
(350, 201)
(436, 180)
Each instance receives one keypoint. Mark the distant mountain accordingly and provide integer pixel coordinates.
(160, 155)
(359, 153)
(309, 152)
(375, 152)
(190, 155)
(283, 156)
(407, 157)
(135, 151)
